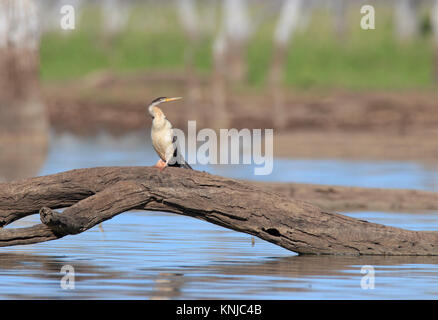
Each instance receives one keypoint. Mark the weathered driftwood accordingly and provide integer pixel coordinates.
(97, 194)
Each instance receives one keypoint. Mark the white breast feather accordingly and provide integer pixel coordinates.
(162, 140)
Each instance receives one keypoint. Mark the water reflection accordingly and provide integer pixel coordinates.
(293, 277)
(156, 255)
(70, 152)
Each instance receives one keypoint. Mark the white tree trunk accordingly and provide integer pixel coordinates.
(237, 28)
(434, 20)
(339, 8)
(188, 16)
(189, 20)
(23, 122)
(115, 16)
(287, 24)
(19, 24)
(236, 17)
(406, 24)
(219, 117)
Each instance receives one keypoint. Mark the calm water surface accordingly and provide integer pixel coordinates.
(154, 255)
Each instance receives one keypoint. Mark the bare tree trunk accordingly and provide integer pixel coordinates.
(434, 20)
(339, 8)
(23, 122)
(219, 117)
(228, 57)
(190, 22)
(287, 24)
(237, 30)
(98, 194)
(115, 16)
(406, 25)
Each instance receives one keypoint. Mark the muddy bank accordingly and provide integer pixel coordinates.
(381, 125)
(339, 198)
(418, 146)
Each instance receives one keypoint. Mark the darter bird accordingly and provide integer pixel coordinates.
(163, 140)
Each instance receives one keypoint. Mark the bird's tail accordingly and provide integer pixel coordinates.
(185, 165)
(178, 159)
(181, 163)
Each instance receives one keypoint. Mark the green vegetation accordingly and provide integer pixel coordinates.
(317, 58)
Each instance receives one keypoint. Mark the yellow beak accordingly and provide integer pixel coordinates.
(173, 99)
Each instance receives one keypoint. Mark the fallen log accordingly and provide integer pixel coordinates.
(97, 194)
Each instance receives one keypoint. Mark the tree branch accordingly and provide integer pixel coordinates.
(97, 194)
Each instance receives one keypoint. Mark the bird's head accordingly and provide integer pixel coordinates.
(153, 106)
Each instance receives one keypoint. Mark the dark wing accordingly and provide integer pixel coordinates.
(177, 158)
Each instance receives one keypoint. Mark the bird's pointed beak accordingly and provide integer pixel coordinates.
(173, 99)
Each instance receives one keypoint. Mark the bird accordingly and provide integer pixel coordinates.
(163, 140)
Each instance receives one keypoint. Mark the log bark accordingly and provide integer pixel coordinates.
(97, 194)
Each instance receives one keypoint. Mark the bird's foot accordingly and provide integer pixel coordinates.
(160, 165)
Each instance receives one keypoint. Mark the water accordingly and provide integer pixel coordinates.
(155, 255)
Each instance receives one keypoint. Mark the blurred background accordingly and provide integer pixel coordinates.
(348, 107)
(305, 68)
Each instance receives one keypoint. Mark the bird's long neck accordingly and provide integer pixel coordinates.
(159, 117)
(155, 111)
